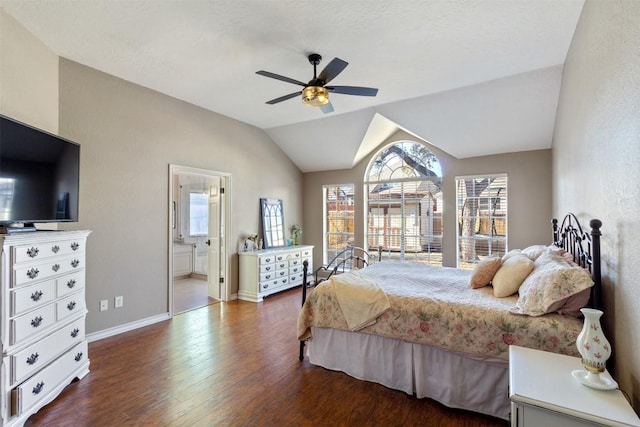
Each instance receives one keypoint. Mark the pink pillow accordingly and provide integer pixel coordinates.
(484, 271)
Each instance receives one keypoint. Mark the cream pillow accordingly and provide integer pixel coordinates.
(511, 275)
(484, 271)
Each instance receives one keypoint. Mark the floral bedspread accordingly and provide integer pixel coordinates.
(436, 306)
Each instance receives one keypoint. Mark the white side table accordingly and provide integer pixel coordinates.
(544, 393)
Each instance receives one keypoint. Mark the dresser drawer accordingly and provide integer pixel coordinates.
(267, 276)
(267, 259)
(295, 269)
(27, 298)
(35, 272)
(265, 268)
(33, 322)
(269, 284)
(70, 305)
(69, 283)
(42, 383)
(39, 251)
(281, 265)
(33, 358)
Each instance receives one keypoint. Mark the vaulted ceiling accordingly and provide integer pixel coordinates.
(472, 77)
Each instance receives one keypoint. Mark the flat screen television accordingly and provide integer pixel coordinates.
(39, 176)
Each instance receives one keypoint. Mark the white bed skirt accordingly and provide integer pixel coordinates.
(453, 379)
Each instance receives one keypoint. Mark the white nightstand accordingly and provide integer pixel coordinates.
(544, 393)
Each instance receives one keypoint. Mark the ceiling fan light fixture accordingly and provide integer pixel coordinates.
(315, 96)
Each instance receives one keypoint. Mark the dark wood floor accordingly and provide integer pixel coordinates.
(230, 364)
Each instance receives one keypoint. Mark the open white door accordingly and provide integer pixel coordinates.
(215, 241)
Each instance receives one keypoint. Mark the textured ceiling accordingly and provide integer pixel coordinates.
(472, 77)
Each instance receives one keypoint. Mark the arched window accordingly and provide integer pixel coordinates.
(403, 184)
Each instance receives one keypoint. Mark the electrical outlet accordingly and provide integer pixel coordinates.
(104, 305)
(119, 302)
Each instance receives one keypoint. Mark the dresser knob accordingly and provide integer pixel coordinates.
(78, 357)
(36, 322)
(33, 273)
(55, 249)
(71, 283)
(75, 333)
(38, 388)
(71, 305)
(33, 252)
(55, 267)
(75, 263)
(75, 246)
(36, 295)
(32, 359)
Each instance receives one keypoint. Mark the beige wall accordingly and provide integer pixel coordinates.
(129, 135)
(529, 175)
(596, 157)
(28, 77)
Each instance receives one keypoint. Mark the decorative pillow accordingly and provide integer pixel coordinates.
(484, 272)
(511, 253)
(511, 275)
(550, 286)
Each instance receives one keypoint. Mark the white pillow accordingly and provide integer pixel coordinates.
(509, 254)
(511, 274)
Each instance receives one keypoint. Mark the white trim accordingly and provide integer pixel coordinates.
(106, 333)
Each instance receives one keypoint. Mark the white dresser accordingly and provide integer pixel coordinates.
(268, 271)
(42, 319)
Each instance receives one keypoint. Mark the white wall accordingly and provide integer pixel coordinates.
(596, 162)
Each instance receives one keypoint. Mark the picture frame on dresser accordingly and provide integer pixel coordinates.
(42, 319)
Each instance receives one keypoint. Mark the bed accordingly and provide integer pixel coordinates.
(433, 332)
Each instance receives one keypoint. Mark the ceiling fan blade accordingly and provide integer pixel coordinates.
(327, 108)
(353, 90)
(283, 98)
(333, 68)
(279, 77)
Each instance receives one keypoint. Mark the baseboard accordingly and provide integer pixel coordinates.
(106, 333)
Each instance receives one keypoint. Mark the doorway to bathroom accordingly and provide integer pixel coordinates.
(198, 233)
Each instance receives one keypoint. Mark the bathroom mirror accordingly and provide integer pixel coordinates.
(272, 222)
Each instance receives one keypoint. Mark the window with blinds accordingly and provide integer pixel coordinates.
(482, 217)
(338, 219)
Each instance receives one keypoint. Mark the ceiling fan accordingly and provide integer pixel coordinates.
(315, 93)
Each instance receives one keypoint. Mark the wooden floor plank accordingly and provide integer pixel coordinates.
(231, 364)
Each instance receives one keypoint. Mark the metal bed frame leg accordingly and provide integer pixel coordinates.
(305, 268)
